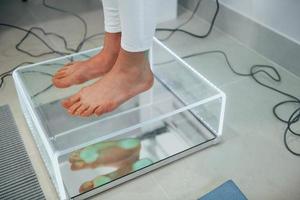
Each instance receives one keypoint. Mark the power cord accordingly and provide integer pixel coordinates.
(254, 70)
(30, 32)
(275, 76)
(9, 72)
(178, 28)
(76, 16)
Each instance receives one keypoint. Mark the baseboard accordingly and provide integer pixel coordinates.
(263, 39)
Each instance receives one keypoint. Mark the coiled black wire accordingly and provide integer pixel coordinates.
(274, 75)
(52, 50)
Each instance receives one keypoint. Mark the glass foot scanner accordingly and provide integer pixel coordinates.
(182, 113)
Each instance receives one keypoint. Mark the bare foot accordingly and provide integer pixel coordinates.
(81, 71)
(130, 76)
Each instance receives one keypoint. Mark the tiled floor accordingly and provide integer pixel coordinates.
(252, 151)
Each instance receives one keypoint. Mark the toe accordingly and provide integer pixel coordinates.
(88, 112)
(60, 74)
(105, 108)
(60, 83)
(70, 101)
(99, 110)
(63, 77)
(70, 63)
(63, 82)
(62, 69)
(81, 109)
(74, 108)
(66, 66)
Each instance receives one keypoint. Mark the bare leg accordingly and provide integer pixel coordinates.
(130, 76)
(81, 71)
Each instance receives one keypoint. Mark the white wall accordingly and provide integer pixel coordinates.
(282, 16)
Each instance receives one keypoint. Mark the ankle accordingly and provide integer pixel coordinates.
(112, 43)
(110, 51)
(134, 66)
(128, 60)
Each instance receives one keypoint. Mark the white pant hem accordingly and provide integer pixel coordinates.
(134, 48)
(113, 29)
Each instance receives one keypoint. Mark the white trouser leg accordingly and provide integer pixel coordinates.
(138, 22)
(111, 16)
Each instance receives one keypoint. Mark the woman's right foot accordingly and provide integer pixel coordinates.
(81, 71)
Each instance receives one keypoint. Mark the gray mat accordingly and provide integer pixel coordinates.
(17, 177)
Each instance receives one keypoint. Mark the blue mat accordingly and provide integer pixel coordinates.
(226, 191)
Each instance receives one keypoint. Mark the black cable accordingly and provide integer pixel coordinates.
(293, 119)
(89, 38)
(9, 72)
(184, 23)
(73, 14)
(30, 32)
(41, 73)
(178, 29)
(84, 39)
(52, 50)
(66, 47)
(262, 69)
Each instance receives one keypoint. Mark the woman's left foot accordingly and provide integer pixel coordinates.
(130, 76)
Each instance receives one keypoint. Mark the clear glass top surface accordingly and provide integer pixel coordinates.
(179, 112)
(176, 88)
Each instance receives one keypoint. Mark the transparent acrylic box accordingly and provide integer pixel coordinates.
(182, 113)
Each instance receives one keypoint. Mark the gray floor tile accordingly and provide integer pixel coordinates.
(141, 188)
(251, 152)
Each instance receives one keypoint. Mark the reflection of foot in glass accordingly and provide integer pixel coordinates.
(141, 164)
(123, 170)
(111, 153)
(98, 181)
